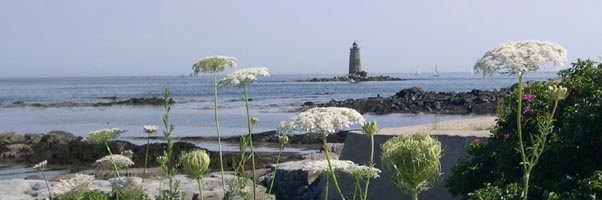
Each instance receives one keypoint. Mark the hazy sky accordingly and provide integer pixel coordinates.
(148, 37)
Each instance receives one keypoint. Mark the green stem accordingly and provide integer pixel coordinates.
(116, 171)
(198, 181)
(219, 137)
(520, 137)
(326, 187)
(275, 169)
(371, 164)
(244, 86)
(334, 178)
(415, 195)
(146, 158)
(47, 186)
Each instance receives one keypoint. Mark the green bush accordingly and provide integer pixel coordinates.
(572, 152)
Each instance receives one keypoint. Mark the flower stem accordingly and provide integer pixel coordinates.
(198, 181)
(326, 187)
(219, 137)
(334, 178)
(244, 86)
(47, 186)
(371, 165)
(415, 195)
(116, 171)
(146, 158)
(520, 137)
(275, 169)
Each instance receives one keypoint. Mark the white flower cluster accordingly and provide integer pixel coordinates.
(519, 57)
(150, 129)
(107, 161)
(243, 76)
(322, 120)
(80, 182)
(104, 135)
(40, 166)
(213, 64)
(121, 183)
(346, 166)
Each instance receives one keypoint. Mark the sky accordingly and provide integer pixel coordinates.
(150, 37)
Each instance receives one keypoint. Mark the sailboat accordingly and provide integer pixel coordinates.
(417, 72)
(436, 74)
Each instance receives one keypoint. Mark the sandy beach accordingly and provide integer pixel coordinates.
(478, 127)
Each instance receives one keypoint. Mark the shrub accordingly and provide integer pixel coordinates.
(571, 154)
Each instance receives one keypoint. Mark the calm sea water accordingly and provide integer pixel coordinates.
(275, 98)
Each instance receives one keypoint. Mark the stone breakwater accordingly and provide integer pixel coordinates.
(415, 100)
(351, 79)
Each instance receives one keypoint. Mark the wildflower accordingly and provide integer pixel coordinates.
(150, 129)
(121, 183)
(527, 109)
(80, 182)
(104, 135)
(412, 161)
(40, 166)
(128, 153)
(322, 120)
(477, 141)
(213, 64)
(370, 128)
(195, 163)
(243, 76)
(283, 139)
(528, 97)
(506, 135)
(362, 171)
(162, 160)
(519, 57)
(254, 120)
(559, 92)
(119, 160)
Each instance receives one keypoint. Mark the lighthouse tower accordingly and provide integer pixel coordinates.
(355, 63)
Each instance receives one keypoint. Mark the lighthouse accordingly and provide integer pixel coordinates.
(355, 63)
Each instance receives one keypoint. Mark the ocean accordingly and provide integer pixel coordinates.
(274, 99)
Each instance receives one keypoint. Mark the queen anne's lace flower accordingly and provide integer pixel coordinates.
(104, 135)
(40, 166)
(346, 166)
(195, 163)
(322, 120)
(243, 76)
(150, 129)
(121, 183)
(519, 57)
(80, 182)
(213, 64)
(107, 161)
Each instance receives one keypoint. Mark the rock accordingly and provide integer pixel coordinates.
(155, 101)
(33, 177)
(308, 103)
(290, 182)
(415, 100)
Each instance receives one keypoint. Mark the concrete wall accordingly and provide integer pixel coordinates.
(357, 149)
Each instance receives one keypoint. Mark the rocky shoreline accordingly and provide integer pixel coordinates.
(415, 100)
(113, 101)
(351, 79)
(68, 151)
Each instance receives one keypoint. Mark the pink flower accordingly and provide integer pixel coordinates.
(527, 109)
(506, 135)
(528, 97)
(477, 141)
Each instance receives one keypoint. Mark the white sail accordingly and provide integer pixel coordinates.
(417, 72)
(436, 71)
